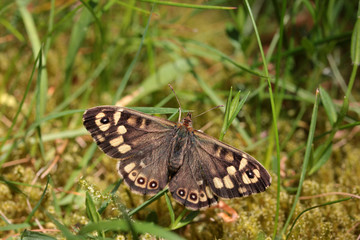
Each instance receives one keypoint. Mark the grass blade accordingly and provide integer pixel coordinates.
(306, 160)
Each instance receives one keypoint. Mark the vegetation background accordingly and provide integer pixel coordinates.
(295, 63)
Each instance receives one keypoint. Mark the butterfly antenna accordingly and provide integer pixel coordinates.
(208, 110)
(177, 101)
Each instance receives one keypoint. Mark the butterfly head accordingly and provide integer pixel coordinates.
(187, 122)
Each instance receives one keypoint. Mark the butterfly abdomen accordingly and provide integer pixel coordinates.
(178, 148)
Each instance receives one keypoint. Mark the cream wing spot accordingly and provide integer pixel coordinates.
(257, 173)
(116, 141)
(124, 148)
(132, 176)
(100, 138)
(128, 168)
(203, 197)
(121, 130)
(254, 180)
(231, 170)
(132, 121)
(99, 116)
(245, 178)
(141, 180)
(242, 190)
(218, 152)
(103, 127)
(228, 182)
(193, 197)
(143, 123)
(243, 164)
(208, 192)
(218, 183)
(117, 117)
(142, 164)
(229, 157)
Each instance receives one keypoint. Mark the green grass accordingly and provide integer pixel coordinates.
(290, 68)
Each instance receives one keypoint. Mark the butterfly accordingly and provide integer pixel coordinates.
(155, 153)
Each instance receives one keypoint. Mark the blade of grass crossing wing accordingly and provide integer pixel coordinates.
(146, 203)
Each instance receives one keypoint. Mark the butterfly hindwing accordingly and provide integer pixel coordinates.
(189, 186)
(137, 140)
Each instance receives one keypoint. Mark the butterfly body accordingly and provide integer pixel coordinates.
(154, 153)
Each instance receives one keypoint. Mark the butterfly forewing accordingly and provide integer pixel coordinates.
(212, 168)
(154, 152)
(237, 173)
(137, 140)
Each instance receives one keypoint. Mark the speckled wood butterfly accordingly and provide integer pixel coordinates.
(155, 152)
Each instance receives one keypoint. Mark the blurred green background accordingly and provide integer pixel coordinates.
(295, 61)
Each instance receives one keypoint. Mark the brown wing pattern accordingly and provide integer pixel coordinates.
(137, 140)
(190, 187)
(212, 168)
(146, 145)
(229, 171)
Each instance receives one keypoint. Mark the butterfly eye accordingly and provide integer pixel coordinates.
(105, 120)
(250, 174)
